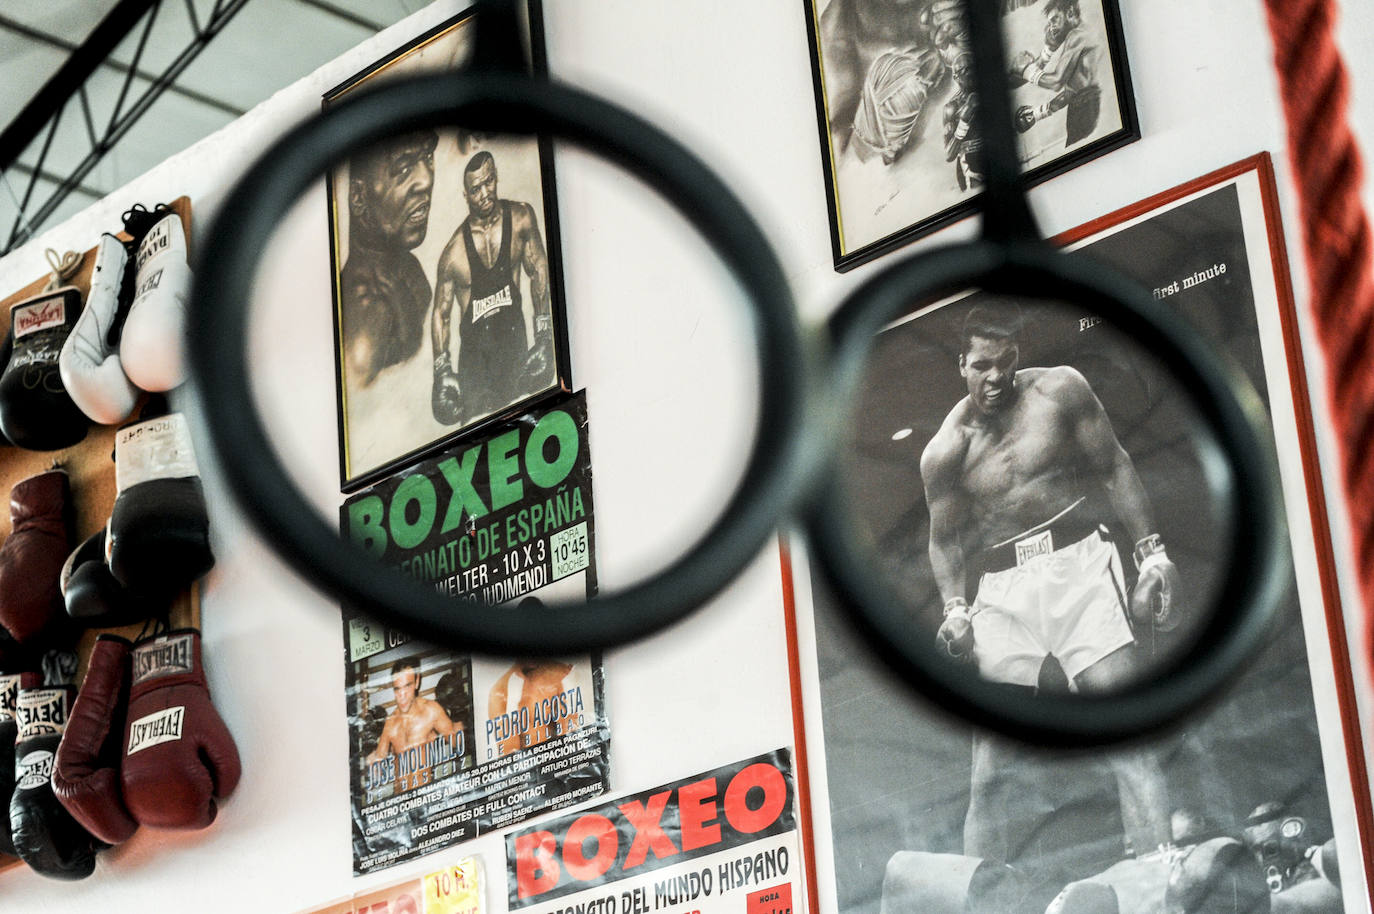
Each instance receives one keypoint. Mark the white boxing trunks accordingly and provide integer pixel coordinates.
(1067, 601)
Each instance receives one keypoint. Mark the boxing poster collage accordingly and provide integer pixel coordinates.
(1251, 798)
(468, 467)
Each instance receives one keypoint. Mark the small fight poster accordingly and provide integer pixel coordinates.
(445, 746)
(723, 842)
(455, 889)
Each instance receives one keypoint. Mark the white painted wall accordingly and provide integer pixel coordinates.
(656, 346)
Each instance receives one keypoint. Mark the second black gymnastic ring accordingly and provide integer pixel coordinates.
(1259, 566)
(503, 103)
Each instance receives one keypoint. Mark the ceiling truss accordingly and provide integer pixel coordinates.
(66, 96)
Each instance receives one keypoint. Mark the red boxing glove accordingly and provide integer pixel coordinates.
(86, 776)
(32, 556)
(178, 755)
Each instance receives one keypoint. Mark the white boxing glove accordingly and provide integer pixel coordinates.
(89, 365)
(150, 344)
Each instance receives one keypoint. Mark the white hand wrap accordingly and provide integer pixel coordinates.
(957, 608)
(1153, 559)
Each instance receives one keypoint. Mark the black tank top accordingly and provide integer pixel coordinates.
(492, 289)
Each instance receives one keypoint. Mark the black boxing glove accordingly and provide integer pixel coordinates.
(539, 360)
(35, 411)
(159, 532)
(446, 401)
(46, 836)
(955, 637)
(9, 731)
(1024, 119)
(1216, 875)
(1154, 599)
(92, 595)
(452, 698)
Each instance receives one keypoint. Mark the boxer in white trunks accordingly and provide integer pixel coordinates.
(1021, 481)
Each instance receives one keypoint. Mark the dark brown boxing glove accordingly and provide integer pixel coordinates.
(179, 757)
(32, 556)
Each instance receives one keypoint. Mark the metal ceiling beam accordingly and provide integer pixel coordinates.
(18, 28)
(95, 193)
(341, 13)
(102, 41)
(122, 118)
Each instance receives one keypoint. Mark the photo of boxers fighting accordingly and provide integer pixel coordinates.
(898, 107)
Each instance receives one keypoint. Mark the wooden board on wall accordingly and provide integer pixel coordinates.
(90, 466)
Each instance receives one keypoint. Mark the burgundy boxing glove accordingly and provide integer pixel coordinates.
(179, 757)
(32, 556)
(86, 775)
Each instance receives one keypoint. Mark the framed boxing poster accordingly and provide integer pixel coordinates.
(447, 280)
(895, 104)
(1262, 796)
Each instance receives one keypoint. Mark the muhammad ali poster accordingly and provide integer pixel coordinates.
(444, 746)
(1262, 796)
(897, 110)
(448, 290)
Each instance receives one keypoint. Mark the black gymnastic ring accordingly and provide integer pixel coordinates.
(503, 103)
(1259, 570)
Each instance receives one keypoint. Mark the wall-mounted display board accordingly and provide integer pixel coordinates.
(1265, 791)
(446, 746)
(89, 466)
(897, 109)
(457, 221)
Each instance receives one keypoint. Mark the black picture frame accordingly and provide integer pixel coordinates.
(387, 373)
(884, 194)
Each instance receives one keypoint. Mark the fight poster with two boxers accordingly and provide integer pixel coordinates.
(448, 293)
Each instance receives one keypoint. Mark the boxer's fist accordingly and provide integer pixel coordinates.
(539, 360)
(1024, 119)
(446, 401)
(955, 637)
(1020, 64)
(1154, 599)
